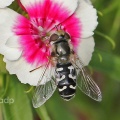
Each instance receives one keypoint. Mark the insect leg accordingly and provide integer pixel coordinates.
(35, 68)
(49, 59)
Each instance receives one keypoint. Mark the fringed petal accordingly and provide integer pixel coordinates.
(12, 53)
(88, 17)
(7, 21)
(5, 3)
(22, 69)
(13, 42)
(85, 50)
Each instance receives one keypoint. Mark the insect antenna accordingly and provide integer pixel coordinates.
(56, 27)
(60, 26)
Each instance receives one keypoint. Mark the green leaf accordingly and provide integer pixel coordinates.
(17, 105)
(110, 64)
(59, 109)
(5, 78)
(2, 66)
(1, 118)
(116, 24)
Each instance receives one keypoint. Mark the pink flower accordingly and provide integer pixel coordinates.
(4, 3)
(23, 41)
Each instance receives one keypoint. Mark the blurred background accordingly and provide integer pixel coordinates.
(105, 69)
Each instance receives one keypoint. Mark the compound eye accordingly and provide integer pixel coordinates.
(54, 37)
(66, 35)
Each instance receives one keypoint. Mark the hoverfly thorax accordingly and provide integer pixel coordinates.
(61, 46)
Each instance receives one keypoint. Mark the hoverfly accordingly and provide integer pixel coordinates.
(67, 69)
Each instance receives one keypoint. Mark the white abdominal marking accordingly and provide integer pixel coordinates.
(72, 87)
(59, 69)
(68, 95)
(61, 89)
(59, 79)
(71, 68)
(72, 77)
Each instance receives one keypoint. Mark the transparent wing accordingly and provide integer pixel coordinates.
(45, 91)
(86, 83)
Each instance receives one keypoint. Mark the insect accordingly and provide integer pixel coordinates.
(68, 73)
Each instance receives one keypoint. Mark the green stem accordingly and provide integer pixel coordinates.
(29, 90)
(42, 113)
(107, 38)
(5, 78)
(100, 57)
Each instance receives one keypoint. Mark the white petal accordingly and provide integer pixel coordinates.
(88, 1)
(11, 53)
(27, 3)
(4, 3)
(22, 69)
(71, 5)
(88, 17)
(85, 50)
(13, 42)
(7, 19)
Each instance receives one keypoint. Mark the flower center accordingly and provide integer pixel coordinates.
(40, 36)
(42, 32)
